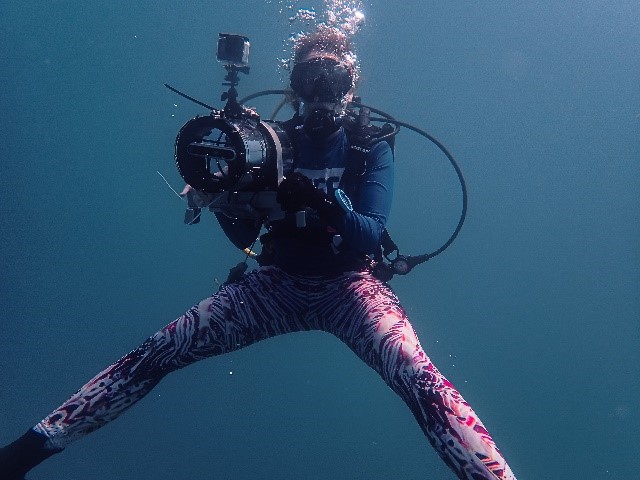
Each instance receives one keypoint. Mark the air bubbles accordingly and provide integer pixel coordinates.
(344, 16)
(303, 15)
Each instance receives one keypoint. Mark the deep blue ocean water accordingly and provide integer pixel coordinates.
(533, 313)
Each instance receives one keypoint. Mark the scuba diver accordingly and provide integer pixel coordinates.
(315, 274)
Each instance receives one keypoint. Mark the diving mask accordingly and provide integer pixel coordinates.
(321, 80)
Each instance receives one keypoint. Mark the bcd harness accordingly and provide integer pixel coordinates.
(362, 136)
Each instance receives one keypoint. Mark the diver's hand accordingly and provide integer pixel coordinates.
(196, 198)
(296, 192)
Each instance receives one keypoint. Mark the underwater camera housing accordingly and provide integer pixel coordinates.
(231, 155)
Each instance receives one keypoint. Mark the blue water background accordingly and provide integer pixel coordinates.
(533, 313)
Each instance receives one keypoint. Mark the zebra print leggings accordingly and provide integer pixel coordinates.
(355, 307)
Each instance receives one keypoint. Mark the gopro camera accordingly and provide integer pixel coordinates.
(233, 49)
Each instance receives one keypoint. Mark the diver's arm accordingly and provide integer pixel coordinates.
(241, 232)
(363, 226)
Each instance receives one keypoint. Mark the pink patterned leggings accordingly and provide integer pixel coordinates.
(356, 307)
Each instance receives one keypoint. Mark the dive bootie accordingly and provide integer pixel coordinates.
(17, 458)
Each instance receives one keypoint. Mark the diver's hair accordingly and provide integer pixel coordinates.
(327, 39)
(324, 39)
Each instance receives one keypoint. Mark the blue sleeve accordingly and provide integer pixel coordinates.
(242, 233)
(362, 228)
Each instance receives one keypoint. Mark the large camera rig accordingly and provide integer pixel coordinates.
(236, 159)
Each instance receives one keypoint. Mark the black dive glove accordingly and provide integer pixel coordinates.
(296, 192)
(22, 455)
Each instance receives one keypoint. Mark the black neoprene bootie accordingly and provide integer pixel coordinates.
(17, 458)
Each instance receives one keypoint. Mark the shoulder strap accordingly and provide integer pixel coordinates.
(290, 126)
(362, 137)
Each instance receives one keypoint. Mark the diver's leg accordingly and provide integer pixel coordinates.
(367, 316)
(239, 315)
